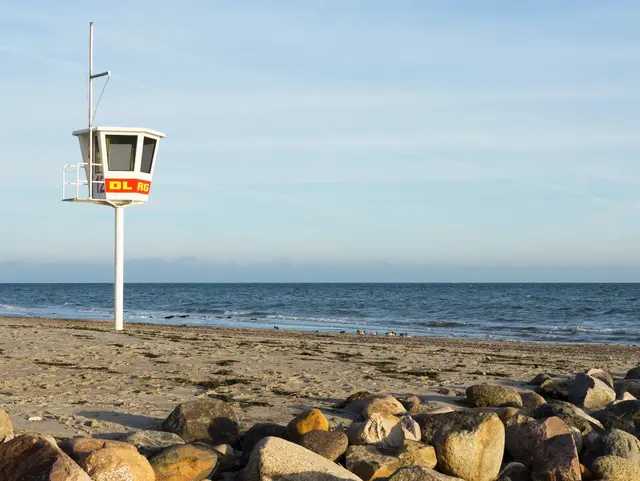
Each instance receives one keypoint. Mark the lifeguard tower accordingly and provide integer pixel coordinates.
(116, 170)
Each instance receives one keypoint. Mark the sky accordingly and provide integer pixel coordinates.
(330, 140)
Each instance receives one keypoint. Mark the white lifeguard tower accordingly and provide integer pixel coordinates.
(116, 170)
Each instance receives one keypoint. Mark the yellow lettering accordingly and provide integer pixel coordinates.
(125, 186)
(115, 185)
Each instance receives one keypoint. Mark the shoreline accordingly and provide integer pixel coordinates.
(83, 378)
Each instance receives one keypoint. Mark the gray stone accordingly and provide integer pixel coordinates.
(540, 379)
(209, 421)
(328, 444)
(371, 462)
(150, 442)
(590, 392)
(633, 373)
(624, 415)
(532, 399)
(571, 415)
(485, 395)
(614, 442)
(382, 430)
(275, 459)
(632, 386)
(419, 473)
(378, 404)
(515, 472)
(257, 433)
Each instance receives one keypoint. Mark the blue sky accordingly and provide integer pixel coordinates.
(495, 134)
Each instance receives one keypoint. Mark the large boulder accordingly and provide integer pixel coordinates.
(150, 442)
(209, 421)
(515, 472)
(624, 415)
(307, 421)
(552, 390)
(185, 462)
(6, 428)
(33, 458)
(485, 395)
(571, 415)
(328, 444)
(80, 448)
(532, 399)
(614, 468)
(601, 374)
(420, 473)
(275, 459)
(371, 462)
(633, 373)
(614, 442)
(470, 445)
(257, 433)
(382, 430)
(545, 446)
(590, 392)
(117, 464)
(378, 404)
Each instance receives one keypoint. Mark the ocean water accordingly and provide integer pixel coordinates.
(585, 313)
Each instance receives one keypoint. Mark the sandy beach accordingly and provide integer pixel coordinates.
(80, 378)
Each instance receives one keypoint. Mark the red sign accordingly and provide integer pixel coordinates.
(133, 186)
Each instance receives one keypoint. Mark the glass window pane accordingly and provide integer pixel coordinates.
(97, 158)
(148, 149)
(121, 152)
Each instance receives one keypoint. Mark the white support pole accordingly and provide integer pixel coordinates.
(90, 176)
(118, 287)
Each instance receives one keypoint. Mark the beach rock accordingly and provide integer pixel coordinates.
(625, 397)
(546, 447)
(80, 448)
(601, 374)
(420, 473)
(633, 373)
(577, 438)
(381, 430)
(185, 462)
(532, 399)
(541, 379)
(630, 386)
(311, 420)
(371, 462)
(226, 457)
(614, 468)
(376, 405)
(258, 432)
(32, 458)
(412, 405)
(6, 428)
(571, 415)
(117, 464)
(275, 459)
(552, 390)
(470, 445)
(614, 442)
(353, 397)
(515, 472)
(328, 444)
(590, 392)
(410, 428)
(430, 423)
(210, 421)
(150, 442)
(624, 415)
(485, 395)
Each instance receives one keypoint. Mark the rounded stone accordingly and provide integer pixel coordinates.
(150, 442)
(117, 464)
(614, 468)
(210, 421)
(305, 422)
(328, 444)
(484, 395)
(6, 428)
(186, 462)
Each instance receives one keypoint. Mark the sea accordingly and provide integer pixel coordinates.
(558, 313)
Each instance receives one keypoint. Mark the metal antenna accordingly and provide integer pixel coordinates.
(91, 77)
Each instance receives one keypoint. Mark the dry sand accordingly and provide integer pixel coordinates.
(82, 378)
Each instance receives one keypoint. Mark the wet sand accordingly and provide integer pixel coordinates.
(83, 378)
